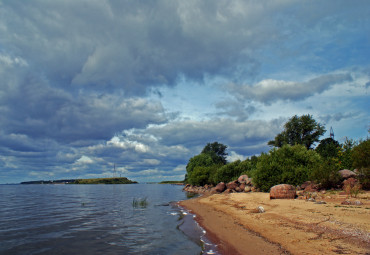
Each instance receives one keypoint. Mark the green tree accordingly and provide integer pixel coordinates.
(327, 173)
(361, 161)
(288, 164)
(299, 130)
(202, 175)
(345, 154)
(217, 151)
(328, 148)
(198, 168)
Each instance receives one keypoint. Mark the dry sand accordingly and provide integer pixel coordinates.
(286, 227)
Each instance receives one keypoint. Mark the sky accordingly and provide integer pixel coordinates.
(87, 86)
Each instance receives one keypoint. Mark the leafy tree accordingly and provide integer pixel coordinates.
(199, 160)
(361, 161)
(288, 164)
(212, 155)
(328, 148)
(327, 173)
(202, 175)
(217, 151)
(299, 130)
(345, 154)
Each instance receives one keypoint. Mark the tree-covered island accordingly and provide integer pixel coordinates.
(113, 180)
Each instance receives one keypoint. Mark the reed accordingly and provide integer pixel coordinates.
(139, 203)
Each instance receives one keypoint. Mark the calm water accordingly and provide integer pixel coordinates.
(96, 219)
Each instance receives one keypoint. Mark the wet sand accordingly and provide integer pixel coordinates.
(286, 226)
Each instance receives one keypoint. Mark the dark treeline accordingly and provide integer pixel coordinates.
(292, 160)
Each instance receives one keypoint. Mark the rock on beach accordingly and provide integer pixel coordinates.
(282, 191)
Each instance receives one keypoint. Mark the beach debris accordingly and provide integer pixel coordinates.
(348, 202)
(311, 199)
(260, 209)
(282, 191)
(320, 202)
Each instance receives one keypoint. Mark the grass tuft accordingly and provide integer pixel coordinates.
(139, 203)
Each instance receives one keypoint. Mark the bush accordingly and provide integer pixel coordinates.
(361, 161)
(288, 164)
(202, 175)
(328, 148)
(327, 173)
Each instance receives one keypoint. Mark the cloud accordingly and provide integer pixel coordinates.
(34, 108)
(269, 91)
(337, 117)
(139, 84)
(108, 44)
(84, 160)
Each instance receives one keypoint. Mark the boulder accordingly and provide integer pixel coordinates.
(232, 185)
(238, 189)
(299, 193)
(220, 187)
(213, 191)
(282, 191)
(247, 188)
(350, 182)
(312, 187)
(345, 173)
(243, 178)
(242, 186)
(228, 191)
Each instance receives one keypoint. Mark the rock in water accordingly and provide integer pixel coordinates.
(282, 191)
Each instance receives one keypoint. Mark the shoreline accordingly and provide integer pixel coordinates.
(219, 226)
(287, 227)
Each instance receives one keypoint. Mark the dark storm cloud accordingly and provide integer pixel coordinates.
(33, 108)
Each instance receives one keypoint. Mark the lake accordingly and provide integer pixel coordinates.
(97, 219)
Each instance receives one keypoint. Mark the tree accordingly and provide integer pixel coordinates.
(299, 130)
(361, 161)
(217, 151)
(288, 164)
(328, 148)
(345, 154)
(200, 167)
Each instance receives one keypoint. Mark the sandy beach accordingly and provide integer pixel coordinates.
(294, 226)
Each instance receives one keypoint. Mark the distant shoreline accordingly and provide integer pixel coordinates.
(113, 180)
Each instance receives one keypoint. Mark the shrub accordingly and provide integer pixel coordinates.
(202, 175)
(327, 173)
(288, 164)
(361, 161)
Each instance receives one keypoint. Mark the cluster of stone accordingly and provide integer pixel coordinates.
(242, 184)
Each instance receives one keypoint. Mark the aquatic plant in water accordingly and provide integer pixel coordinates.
(140, 202)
